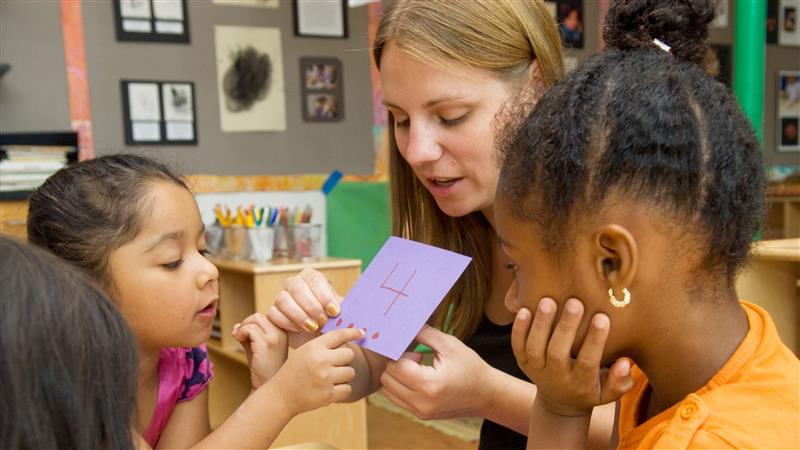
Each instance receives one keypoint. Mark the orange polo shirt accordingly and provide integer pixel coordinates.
(752, 402)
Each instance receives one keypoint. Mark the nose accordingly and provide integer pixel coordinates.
(422, 145)
(208, 274)
(512, 301)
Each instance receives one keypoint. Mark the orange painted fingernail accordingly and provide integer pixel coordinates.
(322, 319)
(333, 309)
(310, 325)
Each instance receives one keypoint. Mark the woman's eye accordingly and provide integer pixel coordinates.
(173, 265)
(205, 253)
(454, 122)
(511, 266)
(401, 123)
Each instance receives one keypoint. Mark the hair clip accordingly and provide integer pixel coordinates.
(662, 45)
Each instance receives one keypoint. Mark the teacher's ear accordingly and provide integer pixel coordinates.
(535, 80)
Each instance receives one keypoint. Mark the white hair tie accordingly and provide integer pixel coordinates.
(662, 45)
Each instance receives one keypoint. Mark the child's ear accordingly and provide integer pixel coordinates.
(616, 256)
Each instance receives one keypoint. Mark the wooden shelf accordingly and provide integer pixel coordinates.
(778, 250)
(215, 346)
(245, 288)
(284, 265)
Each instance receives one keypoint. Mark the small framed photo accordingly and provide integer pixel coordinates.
(569, 15)
(721, 66)
(151, 20)
(159, 112)
(320, 18)
(788, 28)
(788, 111)
(322, 89)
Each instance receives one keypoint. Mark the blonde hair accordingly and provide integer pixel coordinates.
(502, 37)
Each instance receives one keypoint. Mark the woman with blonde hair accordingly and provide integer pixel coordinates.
(448, 70)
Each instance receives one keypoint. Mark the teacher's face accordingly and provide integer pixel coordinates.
(444, 127)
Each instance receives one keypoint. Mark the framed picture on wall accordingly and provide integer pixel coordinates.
(721, 16)
(788, 28)
(151, 20)
(788, 117)
(322, 89)
(721, 66)
(322, 19)
(159, 112)
(569, 15)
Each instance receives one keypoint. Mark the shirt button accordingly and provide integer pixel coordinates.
(688, 410)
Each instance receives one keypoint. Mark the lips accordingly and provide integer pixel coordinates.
(210, 309)
(443, 182)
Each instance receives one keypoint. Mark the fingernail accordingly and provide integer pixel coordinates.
(310, 325)
(601, 321)
(333, 309)
(322, 319)
(572, 306)
(625, 367)
(236, 328)
(545, 306)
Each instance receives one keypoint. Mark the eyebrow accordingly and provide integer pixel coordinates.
(428, 104)
(171, 236)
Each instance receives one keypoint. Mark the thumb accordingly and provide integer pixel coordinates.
(436, 339)
(413, 356)
(618, 380)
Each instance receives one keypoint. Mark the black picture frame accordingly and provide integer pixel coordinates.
(322, 89)
(158, 123)
(145, 26)
(308, 18)
(571, 20)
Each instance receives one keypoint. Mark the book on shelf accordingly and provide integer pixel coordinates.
(25, 167)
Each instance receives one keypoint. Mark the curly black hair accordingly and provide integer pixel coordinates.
(646, 124)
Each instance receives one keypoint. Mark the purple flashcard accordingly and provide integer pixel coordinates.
(397, 293)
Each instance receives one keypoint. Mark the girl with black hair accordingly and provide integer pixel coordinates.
(67, 358)
(636, 185)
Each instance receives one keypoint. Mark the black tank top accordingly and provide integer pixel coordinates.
(493, 343)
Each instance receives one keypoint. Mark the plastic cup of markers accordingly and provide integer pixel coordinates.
(307, 241)
(283, 241)
(215, 238)
(262, 241)
(236, 242)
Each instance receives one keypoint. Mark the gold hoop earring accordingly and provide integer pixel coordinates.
(626, 298)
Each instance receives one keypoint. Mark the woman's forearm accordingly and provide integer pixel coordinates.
(368, 366)
(507, 400)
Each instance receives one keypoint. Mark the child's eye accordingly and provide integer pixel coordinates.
(205, 253)
(173, 265)
(511, 266)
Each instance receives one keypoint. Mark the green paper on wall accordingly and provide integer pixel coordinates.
(359, 220)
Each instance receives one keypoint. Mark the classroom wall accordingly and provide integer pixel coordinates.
(302, 148)
(33, 94)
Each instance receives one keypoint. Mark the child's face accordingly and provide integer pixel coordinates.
(538, 274)
(165, 287)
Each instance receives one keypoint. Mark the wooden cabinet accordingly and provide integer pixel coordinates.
(12, 218)
(245, 288)
(772, 280)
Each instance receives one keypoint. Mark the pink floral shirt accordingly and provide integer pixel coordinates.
(183, 373)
